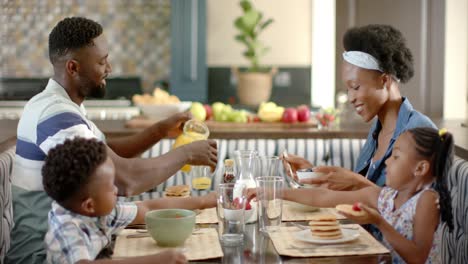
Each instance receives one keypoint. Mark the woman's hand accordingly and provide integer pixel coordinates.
(295, 163)
(202, 152)
(371, 215)
(173, 125)
(337, 178)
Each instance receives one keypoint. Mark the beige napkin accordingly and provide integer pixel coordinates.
(291, 213)
(207, 216)
(203, 244)
(287, 245)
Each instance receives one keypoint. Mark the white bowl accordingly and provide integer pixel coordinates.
(162, 111)
(308, 174)
(236, 215)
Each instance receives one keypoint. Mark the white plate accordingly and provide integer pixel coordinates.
(306, 236)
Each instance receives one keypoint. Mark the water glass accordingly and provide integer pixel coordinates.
(270, 202)
(268, 165)
(231, 213)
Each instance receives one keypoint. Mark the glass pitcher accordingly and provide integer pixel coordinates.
(193, 130)
(246, 163)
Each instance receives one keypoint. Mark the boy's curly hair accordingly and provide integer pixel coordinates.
(386, 44)
(69, 166)
(72, 33)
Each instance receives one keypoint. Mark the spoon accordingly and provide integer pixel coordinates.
(289, 168)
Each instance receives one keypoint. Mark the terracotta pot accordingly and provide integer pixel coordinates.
(254, 87)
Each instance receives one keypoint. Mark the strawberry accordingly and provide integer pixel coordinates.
(356, 207)
(248, 206)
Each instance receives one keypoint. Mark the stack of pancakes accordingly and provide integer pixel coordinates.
(177, 191)
(325, 226)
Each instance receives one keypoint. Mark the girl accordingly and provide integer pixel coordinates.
(376, 63)
(407, 209)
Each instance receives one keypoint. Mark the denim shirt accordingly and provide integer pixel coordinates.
(408, 118)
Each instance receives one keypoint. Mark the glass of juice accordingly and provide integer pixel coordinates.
(201, 177)
(193, 130)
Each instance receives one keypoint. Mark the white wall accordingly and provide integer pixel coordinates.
(456, 59)
(289, 37)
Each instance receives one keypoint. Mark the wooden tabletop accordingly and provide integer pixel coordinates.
(225, 131)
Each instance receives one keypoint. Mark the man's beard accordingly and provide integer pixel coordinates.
(98, 91)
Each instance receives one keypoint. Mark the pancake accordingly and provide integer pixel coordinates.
(325, 226)
(177, 191)
(348, 208)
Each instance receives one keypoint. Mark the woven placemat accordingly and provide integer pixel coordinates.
(287, 245)
(292, 213)
(203, 244)
(207, 216)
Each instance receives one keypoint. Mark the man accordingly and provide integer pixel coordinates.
(78, 52)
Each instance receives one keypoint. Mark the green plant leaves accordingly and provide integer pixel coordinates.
(250, 24)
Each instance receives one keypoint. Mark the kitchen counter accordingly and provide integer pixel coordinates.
(113, 128)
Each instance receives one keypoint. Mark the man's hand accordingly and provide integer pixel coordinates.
(173, 125)
(335, 178)
(295, 163)
(202, 152)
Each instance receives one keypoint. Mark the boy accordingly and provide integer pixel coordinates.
(79, 176)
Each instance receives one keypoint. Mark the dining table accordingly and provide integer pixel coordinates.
(258, 247)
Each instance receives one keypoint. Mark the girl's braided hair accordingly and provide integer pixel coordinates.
(438, 148)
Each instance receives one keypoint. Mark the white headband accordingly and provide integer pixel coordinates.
(362, 60)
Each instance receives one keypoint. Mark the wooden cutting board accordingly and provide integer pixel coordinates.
(141, 122)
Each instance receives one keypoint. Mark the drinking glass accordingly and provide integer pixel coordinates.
(231, 213)
(201, 177)
(268, 165)
(270, 202)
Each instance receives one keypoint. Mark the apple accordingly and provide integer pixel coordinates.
(209, 111)
(289, 115)
(303, 113)
(217, 110)
(198, 111)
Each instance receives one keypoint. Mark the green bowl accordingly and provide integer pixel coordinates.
(170, 227)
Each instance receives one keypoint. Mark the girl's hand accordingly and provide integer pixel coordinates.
(336, 178)
(371, 215)
(295, 163)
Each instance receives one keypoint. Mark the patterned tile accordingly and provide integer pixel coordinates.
(138, 32)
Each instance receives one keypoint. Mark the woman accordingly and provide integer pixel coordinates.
(375, 62)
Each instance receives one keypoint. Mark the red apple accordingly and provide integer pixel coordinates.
(303, 113)
(209, 111)
(289, 115)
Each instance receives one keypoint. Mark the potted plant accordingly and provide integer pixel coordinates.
(254, 84)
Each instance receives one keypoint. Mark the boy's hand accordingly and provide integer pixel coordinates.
(209, 200)
(371, 216)
(170, 257)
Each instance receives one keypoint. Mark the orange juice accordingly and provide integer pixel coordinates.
(193, 130)
(201, 183)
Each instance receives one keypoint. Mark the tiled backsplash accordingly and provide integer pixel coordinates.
(138, 32)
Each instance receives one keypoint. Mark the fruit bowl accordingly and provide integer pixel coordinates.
(162, 111)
